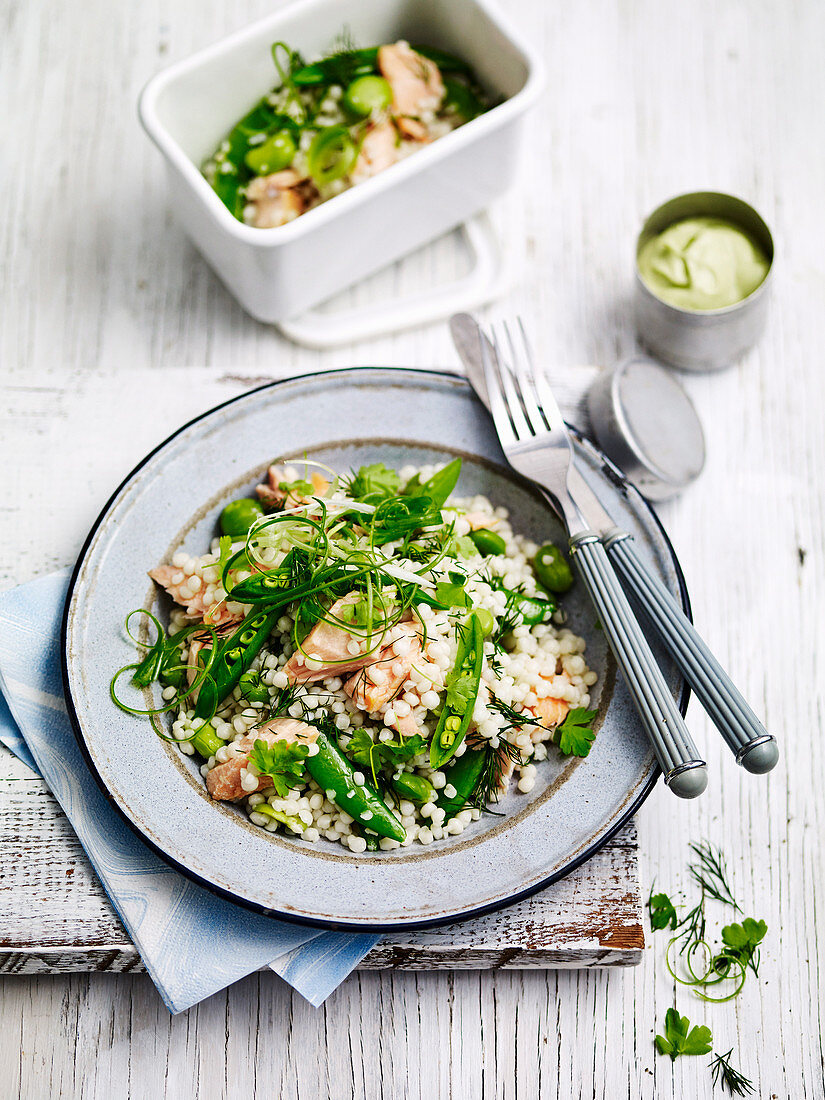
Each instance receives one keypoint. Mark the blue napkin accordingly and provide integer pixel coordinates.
(192, 942)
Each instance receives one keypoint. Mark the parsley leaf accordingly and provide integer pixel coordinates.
(662, 911)
(575, 734)
(681, 1038)
(377, 754)
(225, 544)
(462, 691)
(282, 762)
(741, 942)
(373, 481)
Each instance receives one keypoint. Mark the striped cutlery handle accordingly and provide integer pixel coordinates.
(754, 748)
(685, 772)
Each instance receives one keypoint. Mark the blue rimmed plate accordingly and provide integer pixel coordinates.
(172, 500)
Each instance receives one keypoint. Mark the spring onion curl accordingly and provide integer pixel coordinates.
(713, 974)
(158, 664)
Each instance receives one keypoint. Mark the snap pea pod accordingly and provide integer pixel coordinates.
(338, 69)
(531, 609)
(463, 775)
(414, 787)
(370, 838)
(233, 658)
(334, 774)
(454, 722)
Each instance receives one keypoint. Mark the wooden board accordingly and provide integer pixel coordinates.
(56, 919)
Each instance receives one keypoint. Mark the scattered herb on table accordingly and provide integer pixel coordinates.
(662, 911)
(729, 962)
(680, 1038)
(731, 1079)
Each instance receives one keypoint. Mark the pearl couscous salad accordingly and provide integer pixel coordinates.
(335, 123)
(366, 659)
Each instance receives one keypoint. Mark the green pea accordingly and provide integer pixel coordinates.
(367, 95)
(253, 687)
(552, 568)
(485, 618)
(239, 515)
(271, 155)
(487, 542)
(414, 787)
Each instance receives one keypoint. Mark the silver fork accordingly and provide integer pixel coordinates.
(534, 438)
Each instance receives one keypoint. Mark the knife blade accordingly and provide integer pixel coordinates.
(467, 336)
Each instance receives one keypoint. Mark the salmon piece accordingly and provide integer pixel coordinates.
(382, 674)
(196, 607)
(224, 781)
(275, 497)
(277, 199)
(549, 711)
(415, 80)
(379, 150)
(413, 129)
(406, 725)
(326, 649)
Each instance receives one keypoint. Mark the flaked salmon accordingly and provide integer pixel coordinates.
(382, 673)
(224, 781)
(379, 150)
(276, 199)
(272, 494)
(416, 83)
(330, 649)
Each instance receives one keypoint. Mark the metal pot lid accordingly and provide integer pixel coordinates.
(647, 424)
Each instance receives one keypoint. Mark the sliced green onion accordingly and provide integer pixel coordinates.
(332, 155)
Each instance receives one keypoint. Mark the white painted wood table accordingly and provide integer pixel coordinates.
(113, 331)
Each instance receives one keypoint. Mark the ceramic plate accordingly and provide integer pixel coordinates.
(344, 418)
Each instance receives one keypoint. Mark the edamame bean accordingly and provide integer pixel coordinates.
(414, 787)
(367, 95)
(487, 542)
(552, 569)
(239, 515)
(272, 155)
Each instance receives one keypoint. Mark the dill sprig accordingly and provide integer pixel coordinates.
(731, 1079)
(496, 759)
(709, 872)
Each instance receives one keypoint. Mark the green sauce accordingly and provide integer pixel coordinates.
(702, 263)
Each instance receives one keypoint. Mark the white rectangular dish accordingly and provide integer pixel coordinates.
(278, 273)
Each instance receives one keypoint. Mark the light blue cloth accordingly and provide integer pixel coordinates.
(192, 942)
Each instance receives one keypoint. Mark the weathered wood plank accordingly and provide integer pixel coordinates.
(56, 918)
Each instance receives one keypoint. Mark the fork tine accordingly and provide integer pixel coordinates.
(523, 372)
(547, 402)
(498, 404)
(520, 426)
